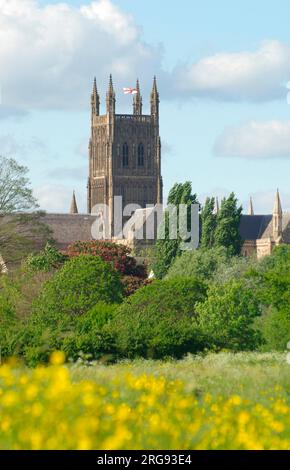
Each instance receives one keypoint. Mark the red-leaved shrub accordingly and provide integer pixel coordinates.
(133, 283)
(119, 255)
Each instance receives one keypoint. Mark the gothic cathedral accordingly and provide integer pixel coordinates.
(124, 153)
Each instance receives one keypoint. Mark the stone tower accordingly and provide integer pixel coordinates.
(124, 153)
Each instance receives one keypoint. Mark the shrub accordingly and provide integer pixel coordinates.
(275, 328)
(273, 281)
(78, 286)
(201, 263)
(76, 336)
(118, 255)
(8, 328)
(159, 320)
(48, 259)
(89, 337)
(227, 317)
(133, 283)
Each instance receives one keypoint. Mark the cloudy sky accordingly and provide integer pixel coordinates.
(222, 67)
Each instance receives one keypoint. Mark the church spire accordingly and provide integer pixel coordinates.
(95, 100)
(73, 206)
(216, 206)
(251, 208)
(137, 101)
(154, 101)
(111, 98)
(277, 217)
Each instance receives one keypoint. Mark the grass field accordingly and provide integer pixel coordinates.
(220, 401)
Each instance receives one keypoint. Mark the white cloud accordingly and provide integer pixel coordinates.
(238, 76)
(255, 140)
(49, 55)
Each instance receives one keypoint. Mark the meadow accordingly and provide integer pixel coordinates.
(214, 401)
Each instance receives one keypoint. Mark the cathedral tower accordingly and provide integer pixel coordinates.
(124, 153)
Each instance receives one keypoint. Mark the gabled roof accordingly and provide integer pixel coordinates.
(252, 227)
(69, 228)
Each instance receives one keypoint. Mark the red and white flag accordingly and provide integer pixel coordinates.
(130, 91)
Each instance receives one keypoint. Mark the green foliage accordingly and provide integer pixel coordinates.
(89, 337)
(46, 260)
(159, 320)
(8, 326)
(77, 336)
(201, 263)
(82, 282)
(15, 193)
(227, 317)
(208, 223)
(227, 232)
(273, 280)
(275, 328)
(169, 247)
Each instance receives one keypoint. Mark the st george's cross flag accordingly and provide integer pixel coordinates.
(130, 91)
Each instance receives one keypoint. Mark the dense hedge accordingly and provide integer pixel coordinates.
(159, 320)
(80, 284)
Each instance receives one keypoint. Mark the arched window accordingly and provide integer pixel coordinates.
(125, 154)
(140, 155)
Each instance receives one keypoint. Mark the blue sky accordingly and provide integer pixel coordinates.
(222, 69)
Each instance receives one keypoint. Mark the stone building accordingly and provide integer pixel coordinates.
(261, 233)
(125, 160)
(124, 154)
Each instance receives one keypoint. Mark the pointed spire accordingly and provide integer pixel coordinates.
(277, 205)
(137, 100)
(111, 99)
(95, 99)
(277, 218)
(73, 206)
(154, 89)
(216, 206)
(251, 208)
(154, 100)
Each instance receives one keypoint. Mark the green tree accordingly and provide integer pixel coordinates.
(226, 318)
(202, 263)
(15, 192)
(227, 232)
(168, 248)
(80, 284)
(21, 226)
(208, 223)
(159, 320)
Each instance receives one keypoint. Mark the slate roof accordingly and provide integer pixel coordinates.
(254, 227)
(69, 228)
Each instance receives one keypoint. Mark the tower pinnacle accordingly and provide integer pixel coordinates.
(251, 208)
(111, 98)
(73, 206)
(154, 101)
(137, 101)
(95, 100)
(277, 217)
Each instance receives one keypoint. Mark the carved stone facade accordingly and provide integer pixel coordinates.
(124, 153)
(261, 233)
